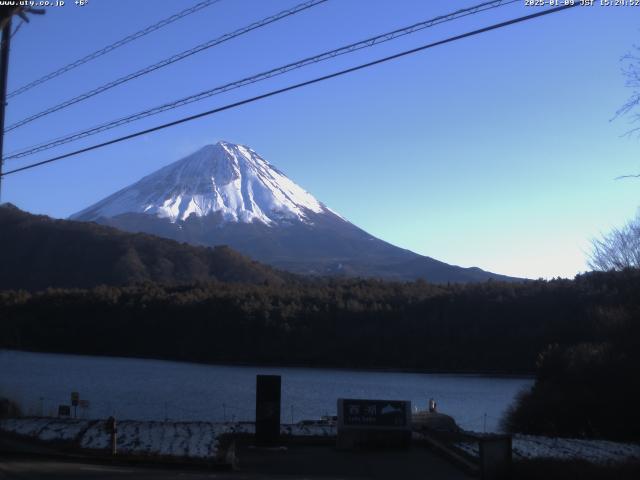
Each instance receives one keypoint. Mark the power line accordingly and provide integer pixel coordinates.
(168, 61)
(109, 48)
(295, 86)
(6, 16)
(369, 42)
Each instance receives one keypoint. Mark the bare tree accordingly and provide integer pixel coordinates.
(631, 71)
(618, 249)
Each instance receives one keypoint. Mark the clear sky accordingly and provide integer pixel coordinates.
(495, 151)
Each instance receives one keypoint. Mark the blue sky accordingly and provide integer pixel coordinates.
(495, 151)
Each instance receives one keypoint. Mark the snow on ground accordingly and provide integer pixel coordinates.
(46, 429)
(179, 439)
(595, 451)
(200, 439)
(301, 430)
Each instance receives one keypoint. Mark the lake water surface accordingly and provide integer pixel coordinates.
(157, 390)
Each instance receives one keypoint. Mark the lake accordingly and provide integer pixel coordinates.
(143, 389)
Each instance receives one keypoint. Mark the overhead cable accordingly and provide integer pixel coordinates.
(369, 42)
(167, 61)
(293, 87)
(110, 48)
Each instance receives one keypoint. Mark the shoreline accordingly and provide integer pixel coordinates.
(461, 373)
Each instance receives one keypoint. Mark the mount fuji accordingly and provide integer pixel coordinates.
(227, 194)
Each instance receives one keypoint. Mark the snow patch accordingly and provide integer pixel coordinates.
(226, 178)
(594, 451)
(178, 439)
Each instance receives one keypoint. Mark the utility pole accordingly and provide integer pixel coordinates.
(4, 70)
(6, 14)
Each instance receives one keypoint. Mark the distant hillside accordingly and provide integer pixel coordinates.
(38, 252)
(227, 194)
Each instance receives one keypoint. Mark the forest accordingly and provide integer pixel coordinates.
(580, 337)
(141, 296)
(487, 327)
(37, 252)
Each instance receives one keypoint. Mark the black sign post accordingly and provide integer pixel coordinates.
(268, 409)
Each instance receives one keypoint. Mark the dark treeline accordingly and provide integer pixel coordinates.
(37, 252)
(581, 337)
(591, 387)
(489, 327)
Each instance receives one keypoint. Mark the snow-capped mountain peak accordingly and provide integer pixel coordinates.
(225, 177)
(227, 194)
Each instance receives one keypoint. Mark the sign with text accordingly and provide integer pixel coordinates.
(366, 423)
(378, 414)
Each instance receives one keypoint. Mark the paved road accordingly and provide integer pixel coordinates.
(327, 462)
(294, 463)
(23, 468)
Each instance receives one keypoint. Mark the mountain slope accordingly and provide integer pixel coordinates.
(226, 194)
(224, 178)
(38, 252)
